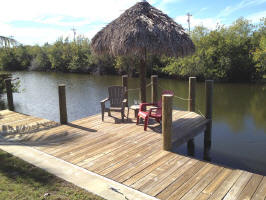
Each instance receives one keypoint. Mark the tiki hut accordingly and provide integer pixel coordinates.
(140, 31)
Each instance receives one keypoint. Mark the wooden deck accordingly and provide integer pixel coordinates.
(127, 154)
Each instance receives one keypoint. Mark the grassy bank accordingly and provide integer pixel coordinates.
(20, 180)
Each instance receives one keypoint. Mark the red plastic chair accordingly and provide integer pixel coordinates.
(155, 113)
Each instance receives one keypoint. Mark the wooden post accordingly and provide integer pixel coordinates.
(9, 94)
(191, 147)
(208, 114)
(167, 105)
(125, 85)
(154, 88)
(209, 98)
(191, 103)
(192, 94)
(142, 76)
(62, 104)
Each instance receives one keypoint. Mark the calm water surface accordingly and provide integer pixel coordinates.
(239, 111)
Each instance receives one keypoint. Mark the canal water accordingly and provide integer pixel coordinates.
(239, 111)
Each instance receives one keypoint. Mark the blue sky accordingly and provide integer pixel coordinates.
(39, 21)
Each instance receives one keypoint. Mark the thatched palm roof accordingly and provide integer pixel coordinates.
(140, 29)
(6, 41)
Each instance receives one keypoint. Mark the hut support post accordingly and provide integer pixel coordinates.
(191, 108)
(9, 94)
(208, 115)
(154, 88)
(167, 104)
(142, 75)
(125, 85)
(62, 104)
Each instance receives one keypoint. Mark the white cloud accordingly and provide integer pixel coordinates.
(255, 17)
(32, 35)
(101, 10)
(209, 23)
(59, 14)
(243, 4)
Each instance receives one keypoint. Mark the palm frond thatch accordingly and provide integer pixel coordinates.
(140, 29)
(6, 41)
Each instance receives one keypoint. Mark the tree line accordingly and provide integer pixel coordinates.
(228, 53)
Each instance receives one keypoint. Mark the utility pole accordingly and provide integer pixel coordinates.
(74, 32)
(188, 21)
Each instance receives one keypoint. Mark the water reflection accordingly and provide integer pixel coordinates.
(239, 111)
(232, 103)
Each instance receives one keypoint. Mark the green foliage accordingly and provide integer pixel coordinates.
(259, 54)
(129, 64)
(222, 54)
(16, 58)
(234, 53)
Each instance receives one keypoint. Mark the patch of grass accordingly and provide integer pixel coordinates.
(23, 181)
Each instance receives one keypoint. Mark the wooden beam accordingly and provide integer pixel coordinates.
(192, 94)
(62, 104)
(142, 76)
(191, 102)
(9, 94)
(208, 115)
(154, 88)
(167, 105)
(125, 85)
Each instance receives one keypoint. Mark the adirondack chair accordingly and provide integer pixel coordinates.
(117, 101)
(155, 112)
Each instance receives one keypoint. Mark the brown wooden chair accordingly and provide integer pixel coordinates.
(117, 99)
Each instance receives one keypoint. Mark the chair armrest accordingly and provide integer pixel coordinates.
(142, 106)
(151, 109)
(103, 101)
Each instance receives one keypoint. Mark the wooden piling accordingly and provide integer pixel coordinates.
(191, 147)
(125, 85)
(191, 102)
(62, 104)
(209, 98)
(192, 94)
(154, 88)
(208, 112)
(9, 94)
(167, 104)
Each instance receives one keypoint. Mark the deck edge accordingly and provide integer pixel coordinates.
(78, 176)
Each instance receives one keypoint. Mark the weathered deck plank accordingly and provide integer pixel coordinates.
(127, 154)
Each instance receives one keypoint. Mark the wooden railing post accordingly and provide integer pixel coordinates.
(62, 104)
(125, 84)
(192, 94)
(191, 107)
(208, 113)
(9, 94)
(167, 104)
(209, 98)
(154, 88)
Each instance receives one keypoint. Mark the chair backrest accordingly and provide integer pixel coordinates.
(116, 95)
(164, 92)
